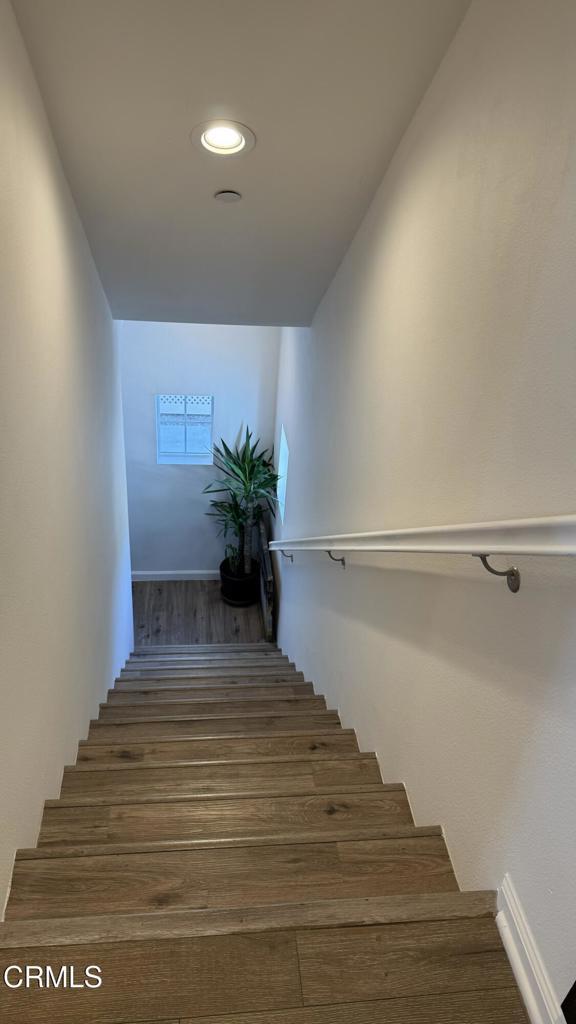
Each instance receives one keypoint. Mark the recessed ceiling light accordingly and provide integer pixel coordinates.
(225, 138)
(228, 195)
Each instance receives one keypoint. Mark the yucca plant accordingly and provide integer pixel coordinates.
(232, 519)
(249, 482)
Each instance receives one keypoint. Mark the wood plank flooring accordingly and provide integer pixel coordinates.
(225, 853)
(190, 612)
(253, 744)
(272, 776)
(229, 877)
(499, 1007)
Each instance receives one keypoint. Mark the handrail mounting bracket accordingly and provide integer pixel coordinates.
(335, 559)
(289, 556)
(512, 574)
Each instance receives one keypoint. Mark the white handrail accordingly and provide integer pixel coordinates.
(546, 535)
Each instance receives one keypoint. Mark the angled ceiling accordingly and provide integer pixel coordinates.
(328, 86)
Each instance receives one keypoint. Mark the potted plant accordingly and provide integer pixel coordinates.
(248, 489)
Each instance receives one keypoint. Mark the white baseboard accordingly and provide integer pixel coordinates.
(531, 975)
(143, 575)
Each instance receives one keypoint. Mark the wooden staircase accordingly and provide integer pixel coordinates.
(223, 850)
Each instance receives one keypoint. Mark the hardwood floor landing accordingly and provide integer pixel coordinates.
(190, 612)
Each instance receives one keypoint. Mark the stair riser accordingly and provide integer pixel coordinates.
(211, 818)
(175, 708)
(273, 777)
(126, 732)
(335, 742)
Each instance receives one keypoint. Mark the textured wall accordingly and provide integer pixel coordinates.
(65, 604)
(436, 385)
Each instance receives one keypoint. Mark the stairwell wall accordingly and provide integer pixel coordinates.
(65, 601)
(436, 385)
(170, 533)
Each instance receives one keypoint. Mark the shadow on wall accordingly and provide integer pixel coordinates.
(484, 618)
(467, 693)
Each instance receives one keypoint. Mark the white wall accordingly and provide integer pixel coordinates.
(65, 602)
(437, 385)
(238, 365)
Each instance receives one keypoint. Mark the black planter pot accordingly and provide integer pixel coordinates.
(240, 591)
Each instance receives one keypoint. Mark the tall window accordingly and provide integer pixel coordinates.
(283, 456)
(184, 429)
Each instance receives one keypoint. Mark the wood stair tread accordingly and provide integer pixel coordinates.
(319, 914)
(287, 791)
(484, 1006)
(161, 698)
(293, 837)
(209, 691)
(250, 713)
(226, 678)
(220, 726)
(216, 645)
(200, 684)
(187, 965)
(178, 748)
(269, 665)
(187, 819)
(317, 758)
(213, 656)
(193, 708)
(227, 877)
(170, 650)
(255, 654)
(262, 669)
(224, 665)
(266, 775)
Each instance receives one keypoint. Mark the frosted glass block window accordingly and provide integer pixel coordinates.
(184, 430)
(283, 457)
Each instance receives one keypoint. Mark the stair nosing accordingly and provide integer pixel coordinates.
(225, 666)
(209, 643)
(257, 655)
(319, 914)
(224, 670)
(210, 718)
(192, 684)
(84, 767)
(227, 671)
(224, 679)
(135, 657)
(208, 664)
(337, 730)
(362, 834)
(219, 736)
(249, 686)
(208, 700)
(121, 801)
